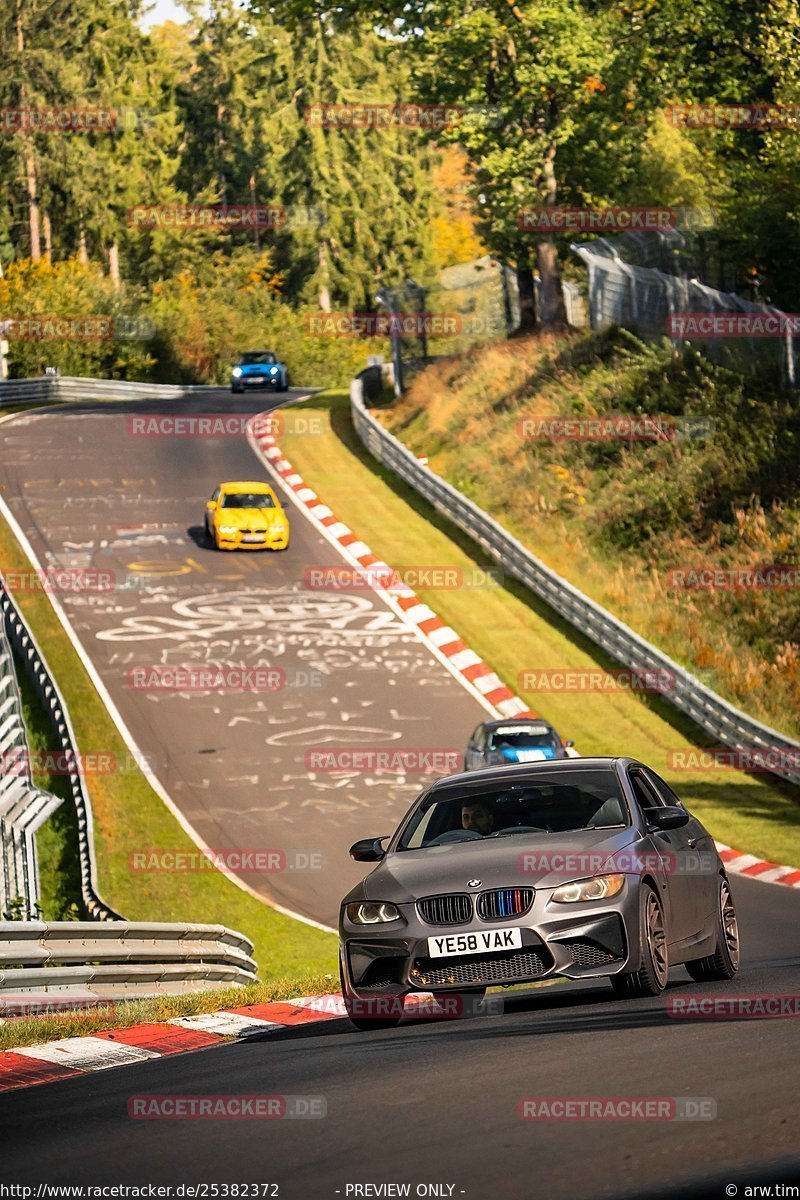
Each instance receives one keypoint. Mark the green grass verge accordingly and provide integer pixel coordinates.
(28, 1031)
(129, 816)
(513, 631)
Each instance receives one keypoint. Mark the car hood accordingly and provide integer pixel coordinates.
(259, 368)
(544, 860)
(259, 519)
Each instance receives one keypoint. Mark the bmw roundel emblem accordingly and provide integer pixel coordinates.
(473, 883)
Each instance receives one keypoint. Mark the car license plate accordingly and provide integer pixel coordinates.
(252, 537)
(486, 941)
(256, 379)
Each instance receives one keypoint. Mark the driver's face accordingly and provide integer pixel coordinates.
(477, 817)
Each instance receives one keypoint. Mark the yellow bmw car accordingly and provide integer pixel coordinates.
(246, 516)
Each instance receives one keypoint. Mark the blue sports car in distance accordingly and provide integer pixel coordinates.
(514, 740)
(259, 369)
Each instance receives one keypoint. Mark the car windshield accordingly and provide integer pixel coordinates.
(254, 357)
(246, 500)
(521, 737)
(588, 799)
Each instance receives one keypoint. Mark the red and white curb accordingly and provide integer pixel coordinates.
(441, 639)
(445, 643)
(67, 1058)
(757, 868)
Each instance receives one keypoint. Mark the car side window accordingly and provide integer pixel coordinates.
(215, 496)
(663, 789)
(646, 796)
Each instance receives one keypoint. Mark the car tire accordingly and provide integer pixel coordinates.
(364, 1024)
(651, 978)
(723, 963)
(237, 391)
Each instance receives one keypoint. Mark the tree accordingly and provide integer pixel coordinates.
(526, 74)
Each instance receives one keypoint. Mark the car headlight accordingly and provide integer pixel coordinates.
(228, 530)
(273, 370)
(599, 887)
(237, 372)
(372, 914)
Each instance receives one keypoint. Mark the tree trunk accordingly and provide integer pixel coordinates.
(324, 275)
(33, 203)
(48, 237)
(551, 296)
(83, 253)
(551, 304)
(527, 298)
(30, 160)
(221, 152)
(113, 264)
(256, 236)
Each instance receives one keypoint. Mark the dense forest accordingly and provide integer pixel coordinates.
(213, 183)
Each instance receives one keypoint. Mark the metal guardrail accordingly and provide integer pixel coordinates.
(120, 957)
(52, 701)
(106, 956)
(23, 806)
(725, 723)
(64, 388)
(59, 388)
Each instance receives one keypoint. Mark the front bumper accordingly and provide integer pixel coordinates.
(586, 941)
(268, 542)
(243, 384)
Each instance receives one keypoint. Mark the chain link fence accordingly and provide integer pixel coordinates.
(644, 298)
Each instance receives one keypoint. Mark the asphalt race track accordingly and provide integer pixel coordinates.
(436, 1102)
(429, 1103)
(90, 495)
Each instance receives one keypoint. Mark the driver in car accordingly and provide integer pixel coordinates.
(477, 817)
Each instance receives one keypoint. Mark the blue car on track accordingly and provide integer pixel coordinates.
(515, 740)
(259, 369)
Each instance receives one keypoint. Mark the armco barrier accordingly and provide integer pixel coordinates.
(23, 806)
(53, 388)
(723, 722)
(118, 958)
(53, 704)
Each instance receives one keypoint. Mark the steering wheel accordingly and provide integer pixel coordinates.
(522, 829)
(455, 835)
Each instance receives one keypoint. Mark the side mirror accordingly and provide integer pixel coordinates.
(670, 817)
(368, 850)
(569, 744)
